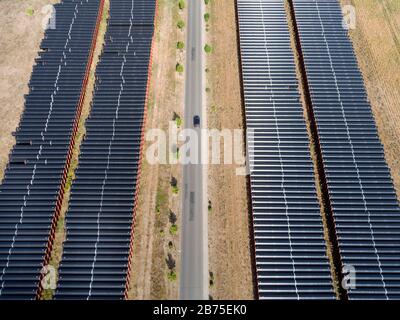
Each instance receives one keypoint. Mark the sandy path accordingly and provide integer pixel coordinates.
(229, 237)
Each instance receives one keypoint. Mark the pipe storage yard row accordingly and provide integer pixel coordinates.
(99, 222)
(33, 186)
(324, 153)
(364, 205)
(290, 249)
(137, 189)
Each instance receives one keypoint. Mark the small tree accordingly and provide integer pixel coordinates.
(206, 17)
(173, 230)
(172, 276)
(172, 217)
(178, 120)
(174, 182)
(30, 12)
(174, 185)
(180, 45)
(175, 151)
(207, 48)
(181, 24)
(175, 189)
(179, 68)
(170, 261)
(182, 4)
(212, 279)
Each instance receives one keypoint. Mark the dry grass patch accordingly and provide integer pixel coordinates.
(376, 41)
(21, 33)
(230, 262)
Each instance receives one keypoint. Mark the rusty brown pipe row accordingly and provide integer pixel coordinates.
(78, 113)
(150, 65)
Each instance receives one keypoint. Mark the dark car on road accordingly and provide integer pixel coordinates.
(196, 121)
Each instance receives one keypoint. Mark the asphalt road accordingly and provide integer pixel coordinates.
(194, 246)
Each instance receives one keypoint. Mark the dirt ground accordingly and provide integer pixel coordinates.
(376, 41)
(158, 206)
(21, 33)
(229, 237)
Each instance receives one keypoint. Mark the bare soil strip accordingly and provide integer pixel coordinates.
(230, 255)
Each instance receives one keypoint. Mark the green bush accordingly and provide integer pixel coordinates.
(181, 24)
(30, 12)
(179, 68)
(172, 276)
(182, 4)
(206, 1)
(178, 122)
(207, 48)
(173, 230)
(206, 17)
(175, 189)
(180, 45)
